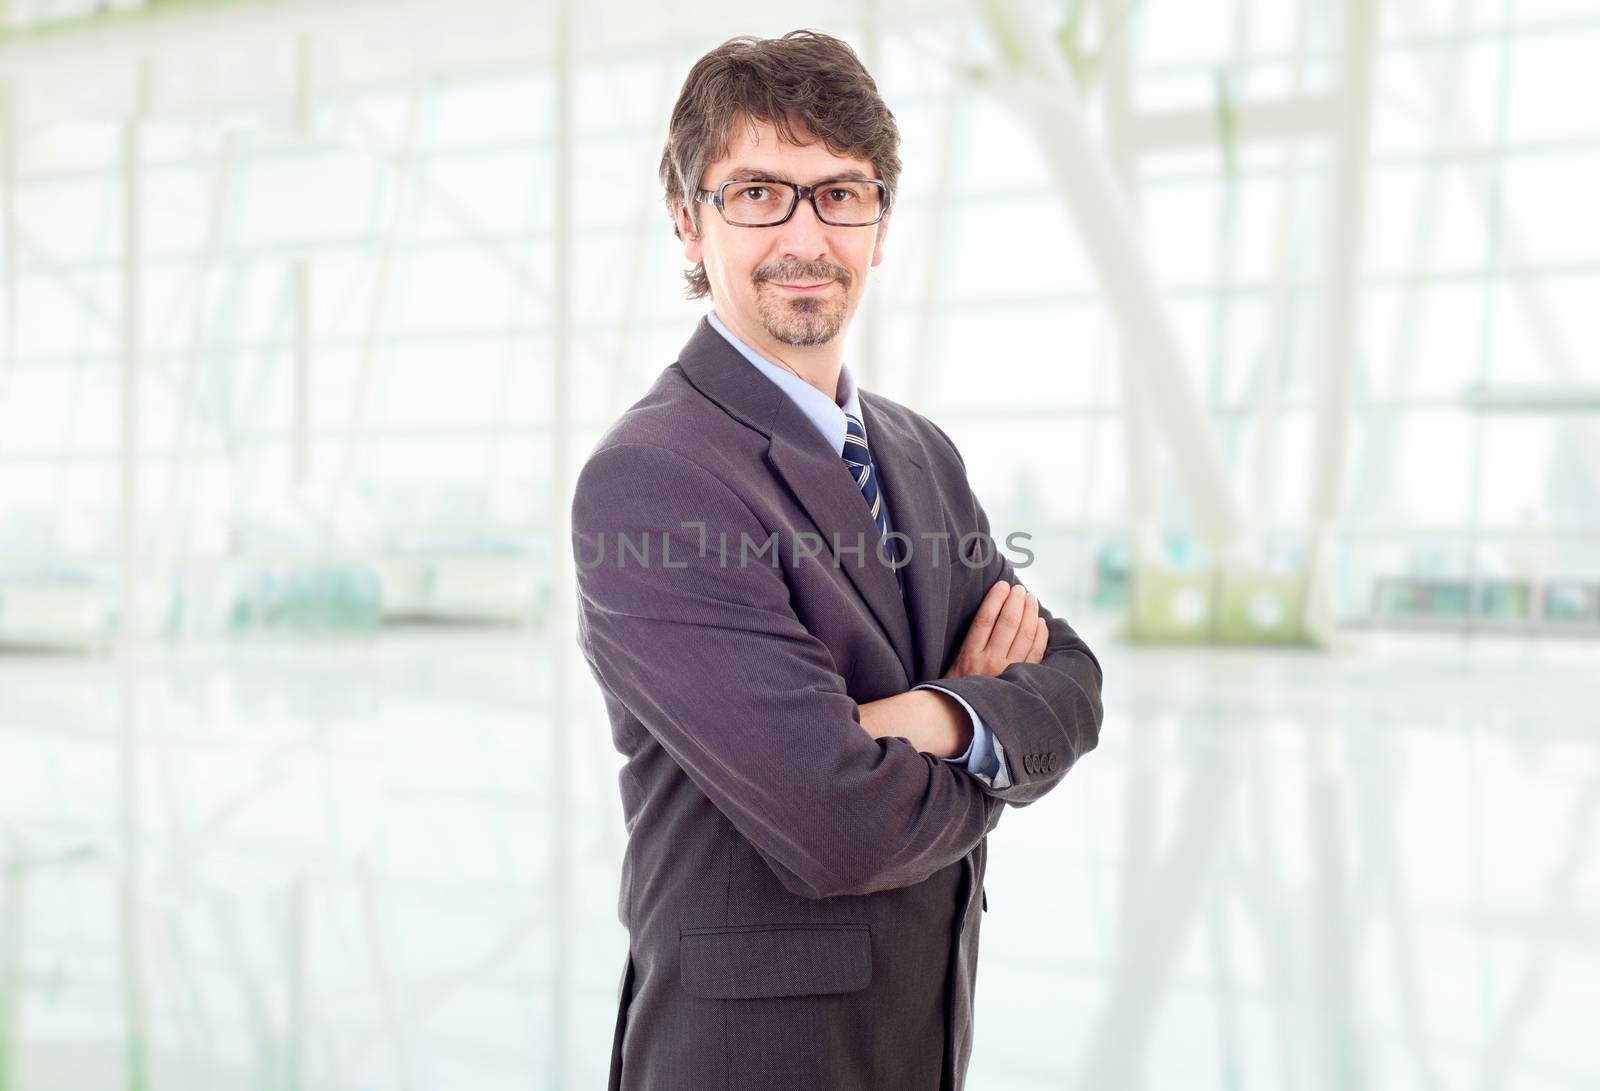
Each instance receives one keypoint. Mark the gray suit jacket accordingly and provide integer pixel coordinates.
(801, 899)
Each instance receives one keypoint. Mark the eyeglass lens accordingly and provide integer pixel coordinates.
(843, 204)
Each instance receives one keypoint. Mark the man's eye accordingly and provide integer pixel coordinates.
(841, 196)
(754, 193)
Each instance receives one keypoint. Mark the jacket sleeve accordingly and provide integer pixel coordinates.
(1045, 715)
(708, 654)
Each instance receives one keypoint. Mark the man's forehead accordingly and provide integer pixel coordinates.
(746, 172)
(756, 150)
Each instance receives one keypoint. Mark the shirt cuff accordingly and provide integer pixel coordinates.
(984, 758)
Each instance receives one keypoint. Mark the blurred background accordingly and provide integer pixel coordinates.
(1273, 322)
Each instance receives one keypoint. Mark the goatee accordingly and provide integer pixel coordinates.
(802, 320)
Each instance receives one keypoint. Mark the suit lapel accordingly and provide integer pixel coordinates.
(819, 479)
(916, 511)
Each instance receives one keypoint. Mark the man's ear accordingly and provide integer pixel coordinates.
(686, 232)
(883, 229)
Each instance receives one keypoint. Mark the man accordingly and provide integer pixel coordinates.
(765, 604)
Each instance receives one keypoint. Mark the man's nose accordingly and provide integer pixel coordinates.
(804, 235)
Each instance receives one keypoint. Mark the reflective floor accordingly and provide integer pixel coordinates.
(390, 863)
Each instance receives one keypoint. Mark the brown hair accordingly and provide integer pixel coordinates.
(805, 84)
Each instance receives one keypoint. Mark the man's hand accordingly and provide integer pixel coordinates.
(1007, 629)
(931, 721)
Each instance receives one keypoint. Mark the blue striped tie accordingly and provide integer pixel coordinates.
(859, 458)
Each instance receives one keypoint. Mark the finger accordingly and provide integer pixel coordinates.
(1040, 641)
(988, 612)
(1005, 626)
(1025, 629)
(1023, 641)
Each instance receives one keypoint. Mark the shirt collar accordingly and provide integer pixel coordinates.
(827, 415)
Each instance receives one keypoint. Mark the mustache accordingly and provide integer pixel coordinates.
(803, 273)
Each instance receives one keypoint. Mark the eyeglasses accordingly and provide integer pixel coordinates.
(762, 202)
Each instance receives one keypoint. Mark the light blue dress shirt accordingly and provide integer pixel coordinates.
(985, 758)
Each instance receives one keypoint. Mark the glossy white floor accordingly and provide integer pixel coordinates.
(340, 866)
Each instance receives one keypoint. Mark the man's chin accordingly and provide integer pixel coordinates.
(819, 331)
(806, 340)
(802, 322)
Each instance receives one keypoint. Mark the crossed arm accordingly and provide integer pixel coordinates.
(713, 662)
(1007, 629)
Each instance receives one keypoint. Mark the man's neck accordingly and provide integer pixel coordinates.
(817, 365)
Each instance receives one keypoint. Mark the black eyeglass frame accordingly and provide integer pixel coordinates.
(714, 197)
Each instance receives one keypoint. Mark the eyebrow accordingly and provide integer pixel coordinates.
(747, 174)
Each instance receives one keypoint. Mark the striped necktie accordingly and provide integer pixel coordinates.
(859, 459)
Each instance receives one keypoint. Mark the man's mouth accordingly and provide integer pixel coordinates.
(804, 287)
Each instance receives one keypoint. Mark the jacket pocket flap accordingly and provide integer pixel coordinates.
(742, 962)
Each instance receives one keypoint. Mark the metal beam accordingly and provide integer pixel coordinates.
(1302, 115)
(9, 250)
(1277, 343)
(1533, 398)
(1138, 432)
(561, 657)
(300, 287)
(130, 892)
(928, 331)
(1044, 93)
(13, 915)
(1341, 311)
(130, 306)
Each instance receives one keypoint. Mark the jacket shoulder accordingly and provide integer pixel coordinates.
(669, 417)
(909, 422)
(675, 434)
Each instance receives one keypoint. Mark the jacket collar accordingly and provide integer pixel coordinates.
(817, 477)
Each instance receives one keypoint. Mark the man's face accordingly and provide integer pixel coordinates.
(796, 283)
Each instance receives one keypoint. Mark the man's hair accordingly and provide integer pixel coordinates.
(807, 84)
